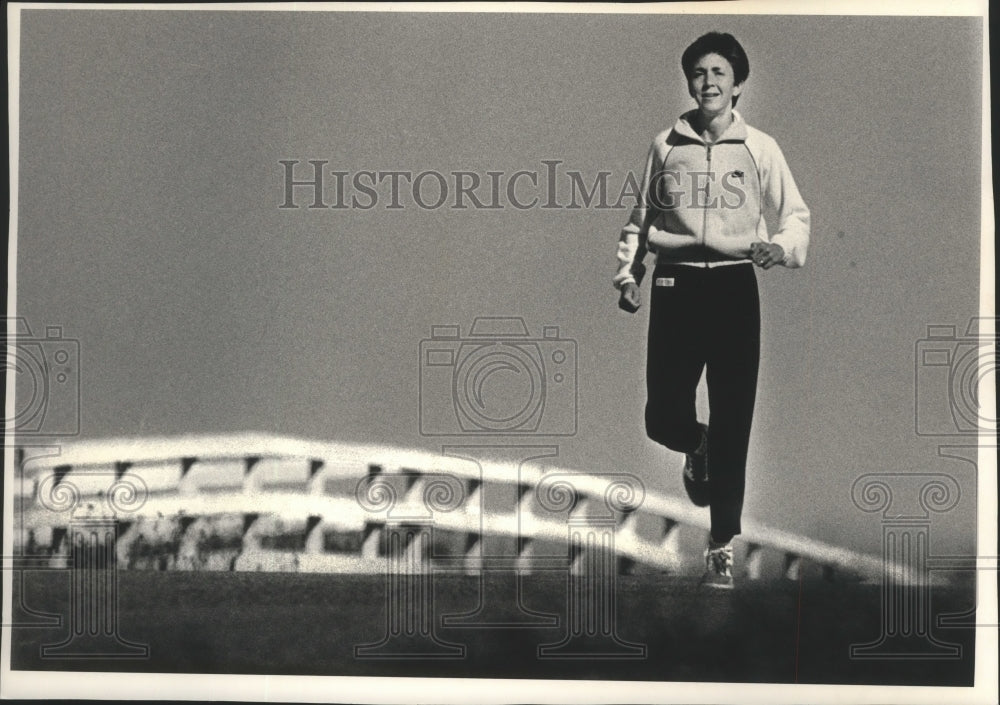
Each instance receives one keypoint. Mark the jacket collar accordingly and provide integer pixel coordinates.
(736, 132)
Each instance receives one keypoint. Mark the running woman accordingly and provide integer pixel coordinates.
(708, 182)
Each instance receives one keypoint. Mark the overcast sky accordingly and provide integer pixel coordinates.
(149, 226)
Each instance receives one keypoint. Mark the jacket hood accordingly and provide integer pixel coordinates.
(736, 132)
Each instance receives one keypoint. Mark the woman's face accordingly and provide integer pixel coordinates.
(712, 84)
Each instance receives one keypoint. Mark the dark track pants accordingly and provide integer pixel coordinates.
(706, 319)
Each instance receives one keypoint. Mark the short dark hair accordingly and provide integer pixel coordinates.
(723, 44)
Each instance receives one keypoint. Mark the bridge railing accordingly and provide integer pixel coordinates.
(263, 502)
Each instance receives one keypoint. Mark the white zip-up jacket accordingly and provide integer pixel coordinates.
(703, 204)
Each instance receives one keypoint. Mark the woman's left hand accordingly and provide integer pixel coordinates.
(766, 254)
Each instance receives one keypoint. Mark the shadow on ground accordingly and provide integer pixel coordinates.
(668, 629)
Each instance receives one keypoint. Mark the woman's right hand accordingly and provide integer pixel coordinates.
(629, 299)
(767, 254)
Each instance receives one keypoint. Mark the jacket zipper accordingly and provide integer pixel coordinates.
(704, 219)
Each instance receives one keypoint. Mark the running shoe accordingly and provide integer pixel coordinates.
(719, 567)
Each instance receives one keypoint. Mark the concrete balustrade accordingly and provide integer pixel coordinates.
(280, 488)
(158, 476)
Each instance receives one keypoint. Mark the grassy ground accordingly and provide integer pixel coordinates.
(307, 624)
